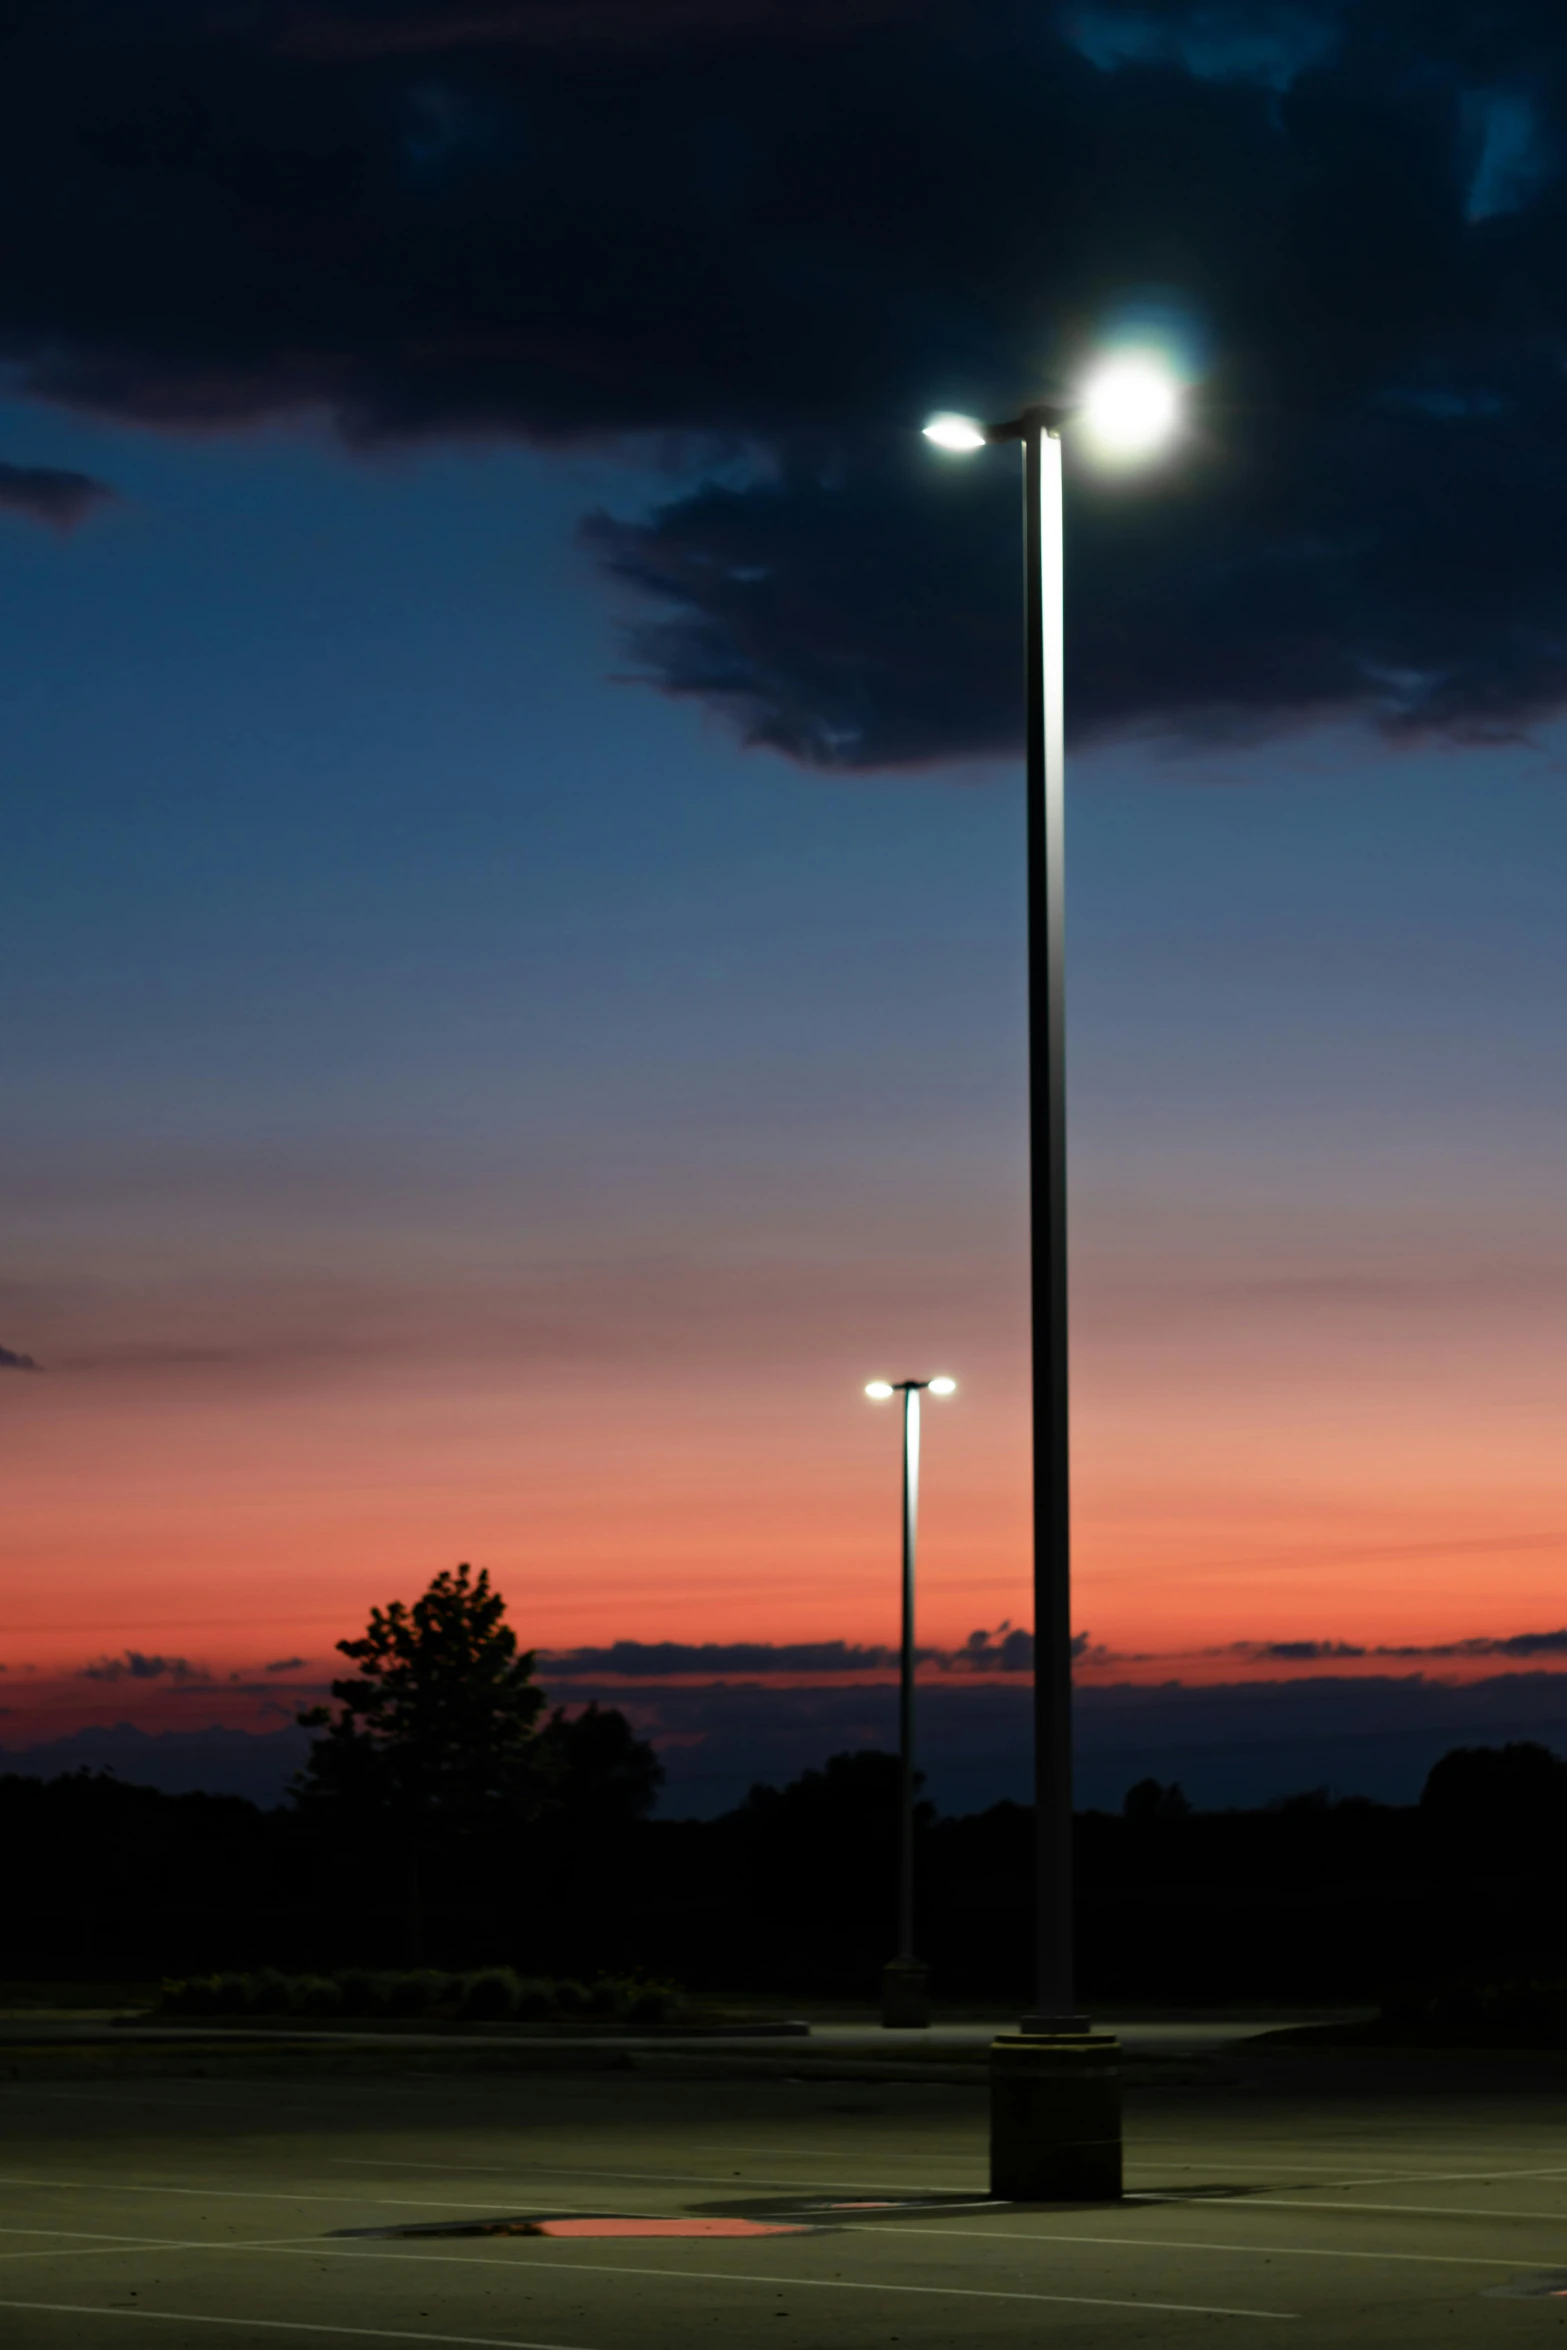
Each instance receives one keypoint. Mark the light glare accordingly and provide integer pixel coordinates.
(879, 1390)
(943, 1387)
(1131, 405)
(957, 433)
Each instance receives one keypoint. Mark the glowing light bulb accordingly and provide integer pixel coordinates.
(1131, 405)
(960, 434)
(943, 1387)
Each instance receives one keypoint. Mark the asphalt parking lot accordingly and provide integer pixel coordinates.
(1338, 2204)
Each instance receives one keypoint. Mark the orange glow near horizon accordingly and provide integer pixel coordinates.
(1228, 1498)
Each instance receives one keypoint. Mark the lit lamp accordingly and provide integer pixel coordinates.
(1129, 407)
(904, 1999)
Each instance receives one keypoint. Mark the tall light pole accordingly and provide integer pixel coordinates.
(904, 2001)
(1128, 407)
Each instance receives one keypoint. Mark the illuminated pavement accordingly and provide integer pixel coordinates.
(1375, 2202)
(960, 2044)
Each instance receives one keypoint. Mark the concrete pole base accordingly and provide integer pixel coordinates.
(1055, 2118)
(905, 1995)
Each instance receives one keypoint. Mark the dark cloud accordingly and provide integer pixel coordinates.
(763, 239)
(15, 1362)
(51, 493)
(381, 28)
(1520, 1644)
(1009, 1649)
(134, 1666)
(1297, 1652)
(661, 1659)
(1513, 1644)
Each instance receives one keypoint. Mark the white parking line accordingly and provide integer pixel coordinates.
(235, 2091)
(312, 2249)
(687, 2178)
(686, 2276)
(1336, 2170)
(1176, 2150)
(818, 2153)
(1204, 2244)
(71, 2240)
(1435, 2178)
(287, 2325)
(761, 2179)
(255, 2194)
(1415, 2210)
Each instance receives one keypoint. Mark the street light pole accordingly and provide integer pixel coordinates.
(1055, 2113)
(1038, 428)
(1054, 2007)
(911, 1508)
(904, 2003)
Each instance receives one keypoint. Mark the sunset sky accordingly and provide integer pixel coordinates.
(463, 1102)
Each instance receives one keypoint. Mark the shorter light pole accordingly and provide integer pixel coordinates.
(904, 2003)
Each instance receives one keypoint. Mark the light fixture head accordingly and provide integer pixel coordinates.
(1130, 405)
(959, 434)
(943, 1387)
(879, 1390)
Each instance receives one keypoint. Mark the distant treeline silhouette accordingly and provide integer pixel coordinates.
(450, 1818)
(792, 1892)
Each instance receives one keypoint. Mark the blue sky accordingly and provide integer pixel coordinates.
(461, 1100)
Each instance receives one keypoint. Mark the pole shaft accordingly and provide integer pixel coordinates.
(911, 1509)
(1047, 1191)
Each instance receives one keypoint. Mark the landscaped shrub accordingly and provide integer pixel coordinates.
(315, 1995)
(1519, 2014)
(366, 1990)
(268, 1992)
(486, 1995)
(651, 2003)
(190, 1998)
(490, 1995)
(420, 1990)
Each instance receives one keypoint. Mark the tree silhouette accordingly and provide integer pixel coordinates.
(601, 1774)
(1150, 1801)
(438, 1727)
(1508, 1803)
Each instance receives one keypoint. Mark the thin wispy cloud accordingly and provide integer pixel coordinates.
(51, 494)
